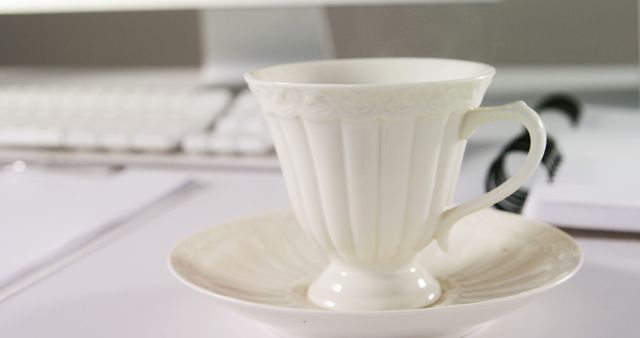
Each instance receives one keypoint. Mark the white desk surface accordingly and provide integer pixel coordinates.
(123, 289)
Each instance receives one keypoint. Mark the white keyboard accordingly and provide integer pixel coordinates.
(117, 122)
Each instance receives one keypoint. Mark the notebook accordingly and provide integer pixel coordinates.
(47, 216)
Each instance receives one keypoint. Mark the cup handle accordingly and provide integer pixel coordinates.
(518, 111)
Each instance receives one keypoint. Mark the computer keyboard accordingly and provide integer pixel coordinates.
(94, 120)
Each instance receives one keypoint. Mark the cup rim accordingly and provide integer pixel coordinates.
(251, 76)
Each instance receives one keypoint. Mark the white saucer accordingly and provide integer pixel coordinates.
(261, 267)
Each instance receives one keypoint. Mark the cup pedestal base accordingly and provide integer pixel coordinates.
(345, 288)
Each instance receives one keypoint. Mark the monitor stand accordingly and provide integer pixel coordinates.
(235, 41)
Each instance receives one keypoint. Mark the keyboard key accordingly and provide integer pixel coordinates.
(115, 142)
(30, 138)
(154, 143)
(223, 144)
(253, 145)
(80, 140)
(195, 143)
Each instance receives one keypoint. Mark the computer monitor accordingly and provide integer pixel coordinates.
(237, 35)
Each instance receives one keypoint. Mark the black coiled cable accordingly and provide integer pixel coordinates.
(550, 160)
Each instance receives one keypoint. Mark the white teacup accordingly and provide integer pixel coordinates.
(371, 150)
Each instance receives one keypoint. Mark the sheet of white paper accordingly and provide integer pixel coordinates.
(44, 216)
(598, 183)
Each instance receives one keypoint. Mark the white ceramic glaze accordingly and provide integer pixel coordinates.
(261, 267)
(370, 150)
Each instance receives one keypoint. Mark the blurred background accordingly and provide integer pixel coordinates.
(515, 32)
(56, 58)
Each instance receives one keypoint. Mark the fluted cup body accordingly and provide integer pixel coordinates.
(369, 169)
